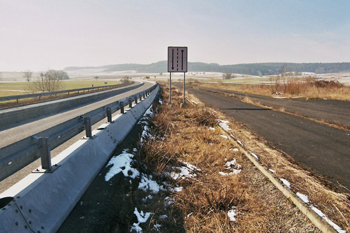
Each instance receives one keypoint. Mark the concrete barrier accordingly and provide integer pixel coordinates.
(13, 116)
(42, 201)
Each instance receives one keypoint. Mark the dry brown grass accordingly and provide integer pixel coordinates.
(335, 205)
(183, 134)
(292, 87)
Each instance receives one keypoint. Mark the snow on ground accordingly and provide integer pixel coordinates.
(303, 197)
(121, 163)
(233, 167)
(147, 183)
(322, 215)
(232, 214)
(223, 124)
(285, 182)
(186, 171)
(141, 218)
(255, 156)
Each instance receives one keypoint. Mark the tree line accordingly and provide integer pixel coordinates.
(250, 69)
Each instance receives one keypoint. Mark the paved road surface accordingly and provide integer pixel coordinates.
(320, 147)
(333, 111)
(32, 127)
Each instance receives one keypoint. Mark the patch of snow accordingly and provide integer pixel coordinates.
(157, 227)
(168, 201)
(163, 216)
(148, 111)
(232, 214)
(146, 134)
(223, 136)
(141, 218)
(147, 183)
(191, 166)
(185, 172)
(160, 101)
(194, 102)
(240, 143)
(177, 189)
(223, 124)
(255, 156)
(285, 182)
(234, 172)
(322, 215)
(273, 171)
(234, 149)
(211, 128)
(233, 167)
(146, 198)
(121, 163)
(303, 197)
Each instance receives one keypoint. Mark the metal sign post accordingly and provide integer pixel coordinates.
(177, 62)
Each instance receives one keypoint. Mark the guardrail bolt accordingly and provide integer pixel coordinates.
(44, 150)
(88, 127)
(121, 105)
(109, 114)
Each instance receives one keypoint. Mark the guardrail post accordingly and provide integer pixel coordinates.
(140, 95)
(109, 114)
(45, 153)
(144, 95)
(88, 127)
(135, 98)
(121, 105)
(130, 103)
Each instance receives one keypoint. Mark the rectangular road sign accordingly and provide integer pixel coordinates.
(177, 59)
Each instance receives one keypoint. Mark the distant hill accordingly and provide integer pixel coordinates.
(251, 69)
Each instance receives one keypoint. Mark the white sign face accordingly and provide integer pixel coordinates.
(177, 59)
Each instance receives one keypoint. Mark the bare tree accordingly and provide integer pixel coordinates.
(227, 76)
(28, 75)
(96, 77)
(50, 81)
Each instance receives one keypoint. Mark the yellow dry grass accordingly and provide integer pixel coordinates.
(292, 87)
(185, 135)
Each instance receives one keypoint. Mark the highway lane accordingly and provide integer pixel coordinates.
(324, 149)
(11, 135)
(332, 111)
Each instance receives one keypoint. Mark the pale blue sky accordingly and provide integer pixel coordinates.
(53, 34)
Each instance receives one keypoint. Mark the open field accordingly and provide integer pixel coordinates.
(19, 88)
(290, 87)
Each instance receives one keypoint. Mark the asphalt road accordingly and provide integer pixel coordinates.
(332, 111)
(33, 126)
(322, 148)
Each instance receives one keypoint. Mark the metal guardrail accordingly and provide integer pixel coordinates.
(19, 154)
(55, 93)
